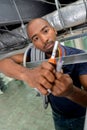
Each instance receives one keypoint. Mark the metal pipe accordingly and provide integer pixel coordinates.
(73, 15)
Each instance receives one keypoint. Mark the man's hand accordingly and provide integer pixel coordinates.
(63, 85)
(41, 77)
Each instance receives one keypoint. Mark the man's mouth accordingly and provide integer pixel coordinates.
(49, 46)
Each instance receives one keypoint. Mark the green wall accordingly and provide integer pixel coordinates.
(72, 44)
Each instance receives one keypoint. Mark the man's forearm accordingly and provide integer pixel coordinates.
(12, 69)
(39, 78)
(79, 96)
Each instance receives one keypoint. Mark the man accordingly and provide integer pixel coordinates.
(65, 92)
(69, 89)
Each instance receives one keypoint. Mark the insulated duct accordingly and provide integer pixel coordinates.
(12, 41)
(72, 15)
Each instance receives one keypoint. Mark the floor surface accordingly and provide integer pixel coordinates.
(21, 109)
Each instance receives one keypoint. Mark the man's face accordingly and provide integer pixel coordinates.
(42, 34)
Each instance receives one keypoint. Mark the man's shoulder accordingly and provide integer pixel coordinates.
(72, 50)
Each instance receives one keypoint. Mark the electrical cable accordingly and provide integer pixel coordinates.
(54, 3)
(60, 14)
(25, 55)
(47, 2)
(10, 47)
(22, 24)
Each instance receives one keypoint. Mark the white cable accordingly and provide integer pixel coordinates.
(54, 49)
(55, 4)
(60, 14)
(59, 66)
(25, 55)
(22, 24)
(47, 2)
(25, 60)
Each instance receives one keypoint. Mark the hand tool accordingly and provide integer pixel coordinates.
(52, 61)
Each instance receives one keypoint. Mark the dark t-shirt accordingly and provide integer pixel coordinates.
(63, 105)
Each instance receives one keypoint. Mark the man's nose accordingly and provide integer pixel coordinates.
(44, 39)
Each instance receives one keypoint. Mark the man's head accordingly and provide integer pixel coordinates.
(42, 34)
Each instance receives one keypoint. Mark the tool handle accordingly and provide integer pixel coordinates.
(52, 60)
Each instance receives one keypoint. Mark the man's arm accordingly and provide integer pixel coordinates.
(80, 95)
(39, 77)
(64, 87)
(18, 58)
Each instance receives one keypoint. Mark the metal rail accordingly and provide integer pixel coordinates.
(71, 59)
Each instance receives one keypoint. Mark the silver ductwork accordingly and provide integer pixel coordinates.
(71, 15)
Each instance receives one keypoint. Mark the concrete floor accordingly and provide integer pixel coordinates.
(21, 109)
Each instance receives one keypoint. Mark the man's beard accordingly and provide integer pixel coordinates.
(48, 49)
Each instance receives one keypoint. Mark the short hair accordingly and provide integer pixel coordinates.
(32, 20)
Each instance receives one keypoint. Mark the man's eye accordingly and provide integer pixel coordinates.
(46, 31)
(35, 39)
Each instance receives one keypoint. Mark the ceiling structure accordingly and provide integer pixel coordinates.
(15, 13)
(27, 9)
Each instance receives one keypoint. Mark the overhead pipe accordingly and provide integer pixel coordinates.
(73, 15)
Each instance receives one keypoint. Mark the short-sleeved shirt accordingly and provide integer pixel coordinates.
(63, 105)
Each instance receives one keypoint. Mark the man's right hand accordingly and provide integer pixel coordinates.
(41, 77)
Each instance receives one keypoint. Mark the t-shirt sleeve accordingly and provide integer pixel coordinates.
(82, 68)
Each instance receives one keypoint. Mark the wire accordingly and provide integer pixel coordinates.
(18, 12)
(47, 2)
(54, 3)
(25, 55)
(59, 55)
(22, 24)
(60, 14)
(16, 45)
